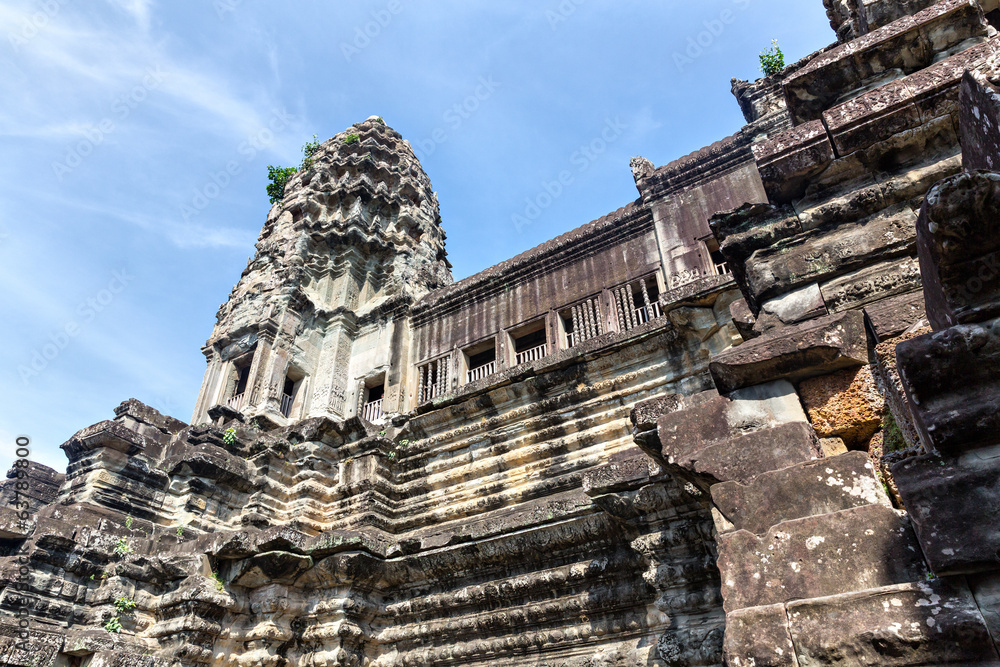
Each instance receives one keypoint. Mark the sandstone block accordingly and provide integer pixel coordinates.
(952, 386)
(890, 317)
(925, 623)
(979, 120)
(750, 228)
(958, 240)
(743, 319)
(645, 414)
(872, 283)
(794, 353)
(789, 160)
(747, 456)
(846, 404)
(873, 14)
(809, 489)
(830, 554)
(822, 255)
(623, 473)
(759, 637)
(904, 46)
(713, 419)
(804, 303)
(955, 508)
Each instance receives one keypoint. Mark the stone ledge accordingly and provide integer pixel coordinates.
(958, 241)
(759, 637)
(789, 160)
(808, 489)
(955, 508)
(823, 255)
(794, 352)
(902, 104)
(924, 623)
(952, 386)
(905, 45)
(830, 554)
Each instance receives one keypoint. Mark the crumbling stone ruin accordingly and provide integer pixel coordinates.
(751, 418)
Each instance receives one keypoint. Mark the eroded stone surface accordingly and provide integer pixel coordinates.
(759, 637)
(926, 623)
(846, 404)
(953, 389)
(808, 489)
(955, 506)
(959, 245)
(830, 554)
(797, 352)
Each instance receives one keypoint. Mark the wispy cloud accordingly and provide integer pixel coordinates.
(139, 9)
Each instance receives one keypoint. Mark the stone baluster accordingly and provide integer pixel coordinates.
(645, 299)
(622, 322)
(631, 306)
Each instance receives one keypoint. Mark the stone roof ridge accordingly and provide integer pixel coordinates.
(696, 156)
(533, 255)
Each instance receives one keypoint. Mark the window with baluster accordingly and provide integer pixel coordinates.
(637, 303)
(433, 378)
(480, 360)
(528, 342)
(581, 322)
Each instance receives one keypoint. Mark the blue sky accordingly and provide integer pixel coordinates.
(121, 231)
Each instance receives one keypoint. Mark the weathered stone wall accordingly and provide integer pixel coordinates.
(767, 462)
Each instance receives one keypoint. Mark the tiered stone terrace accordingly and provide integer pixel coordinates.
(712, 427)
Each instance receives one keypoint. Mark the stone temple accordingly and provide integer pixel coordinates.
(751, 418)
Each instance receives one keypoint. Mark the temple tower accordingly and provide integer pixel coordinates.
(317, 325)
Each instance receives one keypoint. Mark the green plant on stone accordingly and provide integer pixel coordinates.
(218, 582)
(379, 120)
(124, 605)
(279, 177)
(351, 139)
(255, 424)
(308, 150)
(772, 60)
(229, 437)
(128, 522)
(122, 547)
(180, 531)
(892, 436)
(113, 625)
